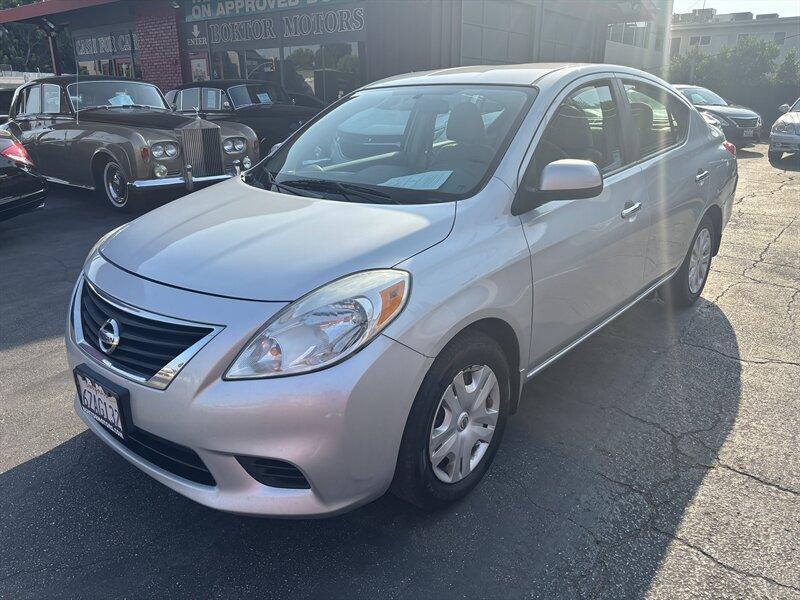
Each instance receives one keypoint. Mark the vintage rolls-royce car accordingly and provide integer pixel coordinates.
(121, 138)
(265, 106)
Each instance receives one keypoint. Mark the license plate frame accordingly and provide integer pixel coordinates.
(109, 389)
(748, 133)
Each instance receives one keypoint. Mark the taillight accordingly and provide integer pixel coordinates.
(17, 153)
(729, 147)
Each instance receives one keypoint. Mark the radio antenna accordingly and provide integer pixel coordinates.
(77, 86)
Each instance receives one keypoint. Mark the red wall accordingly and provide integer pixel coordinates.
(159, 47)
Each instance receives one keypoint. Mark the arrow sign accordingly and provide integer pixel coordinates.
(195, 31)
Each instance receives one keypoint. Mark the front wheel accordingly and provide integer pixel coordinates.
(456, 423)
(115, 188)
(688, 282)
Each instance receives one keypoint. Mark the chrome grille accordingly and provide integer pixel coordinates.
(202, 148)
(150, 350)
(746, 122)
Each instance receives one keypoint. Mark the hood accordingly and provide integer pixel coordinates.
(242, 242)
(730, 111)
(793, 116)
(277, 109)
(136, 117)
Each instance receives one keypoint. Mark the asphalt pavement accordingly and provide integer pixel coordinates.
(661, 459)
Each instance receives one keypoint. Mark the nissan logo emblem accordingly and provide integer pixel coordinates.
(108, 336)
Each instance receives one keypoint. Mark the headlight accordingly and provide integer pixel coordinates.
(171, 149)
(246, 162)
(784, 127)
(722, 120)
(233, 145)
(325, 326)
(157, 150)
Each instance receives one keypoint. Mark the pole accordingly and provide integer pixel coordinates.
(54, 56)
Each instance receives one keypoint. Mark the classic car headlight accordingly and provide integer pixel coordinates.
(233, 145)
(171, 149)
(163, 149)
(325, 326)
(246, 162)
(157, 150)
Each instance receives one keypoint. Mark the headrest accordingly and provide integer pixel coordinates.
(465, 124)
(642, 111)
(570, 129)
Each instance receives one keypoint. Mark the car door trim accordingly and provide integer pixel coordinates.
(648, 290)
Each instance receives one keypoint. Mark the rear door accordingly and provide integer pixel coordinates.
(588, 254)
(675, 171)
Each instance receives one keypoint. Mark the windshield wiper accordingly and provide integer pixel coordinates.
(278, 186)
(339, 187)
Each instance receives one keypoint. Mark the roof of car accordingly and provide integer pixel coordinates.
(223, 84)
(523, 74)
(67, 79)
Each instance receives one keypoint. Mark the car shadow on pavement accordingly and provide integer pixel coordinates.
(608, 448)
(748, 153)
(789, 162)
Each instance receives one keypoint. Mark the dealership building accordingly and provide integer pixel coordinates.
(326, 48)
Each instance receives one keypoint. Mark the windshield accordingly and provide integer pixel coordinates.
(92, 94)
(405, 145)
(703, 97)
(248, 95)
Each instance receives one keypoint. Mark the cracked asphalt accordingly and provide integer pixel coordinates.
(661, 459)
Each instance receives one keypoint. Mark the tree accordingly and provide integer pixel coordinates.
(788, 72)
(24, 46)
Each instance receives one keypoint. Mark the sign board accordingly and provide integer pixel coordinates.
(205, 10)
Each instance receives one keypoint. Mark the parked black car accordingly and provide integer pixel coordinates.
(261, 105)
(741, 125)
(21, 187)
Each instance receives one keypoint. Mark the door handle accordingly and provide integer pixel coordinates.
(701, 176)
(630, 209)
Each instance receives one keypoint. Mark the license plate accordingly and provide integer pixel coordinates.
(747, 133)
(100, 403)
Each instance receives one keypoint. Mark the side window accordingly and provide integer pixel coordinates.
(212, 99)
(51, 96)
(32, 104)
(660, 119)
(170, 97)
(586, 126)
(189, 99)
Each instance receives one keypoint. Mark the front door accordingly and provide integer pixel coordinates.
(587, 255)
(53, 123)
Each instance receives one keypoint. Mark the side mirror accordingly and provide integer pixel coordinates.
(565, 179)
(784, 108)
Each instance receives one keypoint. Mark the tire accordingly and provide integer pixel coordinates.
(687, 284)
(430, 482)
(112, 186)
(774, 156)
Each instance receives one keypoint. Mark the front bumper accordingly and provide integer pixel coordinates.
(737, 135)
(188, 183)
(341, 427)
(784, 142)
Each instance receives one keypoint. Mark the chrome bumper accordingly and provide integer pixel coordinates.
(172, 182)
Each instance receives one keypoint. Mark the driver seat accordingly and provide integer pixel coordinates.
(466, 130)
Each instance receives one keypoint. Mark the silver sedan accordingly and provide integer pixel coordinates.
(359, 311)
(785, 133)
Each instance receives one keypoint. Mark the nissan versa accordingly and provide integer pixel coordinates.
(359, 311)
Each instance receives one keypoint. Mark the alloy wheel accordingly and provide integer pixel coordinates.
(699, 261)
(464, 423)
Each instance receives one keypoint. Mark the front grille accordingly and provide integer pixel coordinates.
(202, 148)
(746, 122)
(178, 460)
(274, 473)
(145, 345)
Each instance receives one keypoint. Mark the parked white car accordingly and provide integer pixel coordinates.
(332, 324)
(785, 133)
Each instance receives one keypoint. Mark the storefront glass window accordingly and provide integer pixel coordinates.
(327, 71)
(262, 64)
(226, 65)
